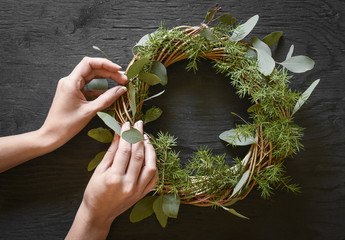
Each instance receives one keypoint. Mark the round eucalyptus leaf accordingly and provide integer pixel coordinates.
(243, 30)
(142, 209)
(97, 84)
(101, 134)
(95, 161)
(298, 64)
(110, 122)
(272, 38)
(149, 78)
(159, 69)
(137, 67)
(171, 205)
(132, 136)
(158, 210)
(227, 19)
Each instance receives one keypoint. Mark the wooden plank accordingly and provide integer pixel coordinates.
(41, 41)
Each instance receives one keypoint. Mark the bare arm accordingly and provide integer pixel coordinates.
(69, 113)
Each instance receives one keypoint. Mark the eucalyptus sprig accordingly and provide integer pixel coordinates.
(207, 180)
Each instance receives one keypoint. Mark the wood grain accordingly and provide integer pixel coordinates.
(41, 41)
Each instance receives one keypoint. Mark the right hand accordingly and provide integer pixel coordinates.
(126, 174)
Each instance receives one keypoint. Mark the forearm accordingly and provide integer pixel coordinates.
(18, 149)
(85, 227)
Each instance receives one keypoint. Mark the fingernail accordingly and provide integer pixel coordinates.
(146, 137)
(124, 88)
(140, 123)
(127, 125)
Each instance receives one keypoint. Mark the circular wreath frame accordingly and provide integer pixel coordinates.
(261, 155)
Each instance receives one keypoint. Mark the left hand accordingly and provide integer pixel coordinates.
(70, 111)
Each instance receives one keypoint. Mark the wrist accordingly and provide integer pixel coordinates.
(50, 138)
(87, 226)
(98, 220)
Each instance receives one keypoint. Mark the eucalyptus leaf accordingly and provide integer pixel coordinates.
(241, 183)
(149, 78)
(298, 64)
(233, 211)
(266, 63)
(132, 135)
(232, 137)
(159, 69)
(209, 15)
(243, 30)
(252, 54)
(132, 102)
(258, 44)
(207, 34)
(158, 210)
(231, 202)
(246, 158)
(272, 38)
(142, 209)
(145, 39)
(289, 55)
(110, 122)
(227, 19)
(95, 161)
(171, 205)
(156, 95)
(152, 114)
(101, 51)
(254, 108)
(97, 84)
(137, 67)
(305, 95)
(101, 134)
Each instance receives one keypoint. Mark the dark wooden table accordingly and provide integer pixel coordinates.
(41, 41)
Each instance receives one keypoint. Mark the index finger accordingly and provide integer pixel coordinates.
(88, 64)
(96, 66)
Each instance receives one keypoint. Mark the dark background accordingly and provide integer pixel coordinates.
(41, 41)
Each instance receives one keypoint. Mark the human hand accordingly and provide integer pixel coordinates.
(125, 175)
(70, 110)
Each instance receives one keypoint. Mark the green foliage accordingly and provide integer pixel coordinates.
(273, 177)
(171, 205)
(253, 72)
(305, 96)
(97, 84)
(227, 19)
(152, 114)
(298, 64)
(132, 135)
(100, 134)
(160, 71)
(158, 210)
(142, 209)
(137, 67)
(207, 34)
(272, 38)
(243, 30)
(95, 161)
(110, 122)
(132, 101)
(149, 78)
(235, 138)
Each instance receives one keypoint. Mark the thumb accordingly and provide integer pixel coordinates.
(107, 98)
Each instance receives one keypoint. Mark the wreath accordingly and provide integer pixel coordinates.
(207, 180)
